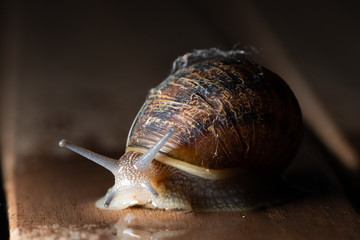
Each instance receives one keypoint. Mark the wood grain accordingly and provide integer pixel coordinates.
(72, 71)
(62, 205)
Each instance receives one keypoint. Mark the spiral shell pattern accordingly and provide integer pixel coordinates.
(228, 111)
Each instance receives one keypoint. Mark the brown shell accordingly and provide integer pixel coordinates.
(229, 113)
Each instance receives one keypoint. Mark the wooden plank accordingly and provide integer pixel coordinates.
(76, 75)
(62, 205)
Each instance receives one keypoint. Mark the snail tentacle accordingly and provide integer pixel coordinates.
(109, 163)
(110, 196)
(145, 160)
(151, 189)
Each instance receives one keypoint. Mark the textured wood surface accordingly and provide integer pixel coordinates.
(81, 71)
(54, 197)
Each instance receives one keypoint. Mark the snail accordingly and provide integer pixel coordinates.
(208, 137)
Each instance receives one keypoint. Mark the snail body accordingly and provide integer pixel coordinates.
(206, 137)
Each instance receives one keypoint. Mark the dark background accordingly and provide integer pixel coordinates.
(92, 42)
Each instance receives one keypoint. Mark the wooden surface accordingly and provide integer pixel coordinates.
(81, 72)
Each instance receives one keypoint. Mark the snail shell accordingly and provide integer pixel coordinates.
(215, 127)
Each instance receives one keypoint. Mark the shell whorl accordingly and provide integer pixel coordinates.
(229, 112)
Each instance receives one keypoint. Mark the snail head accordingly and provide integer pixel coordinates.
(132, 174)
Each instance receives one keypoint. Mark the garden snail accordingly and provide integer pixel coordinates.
(205, 137)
